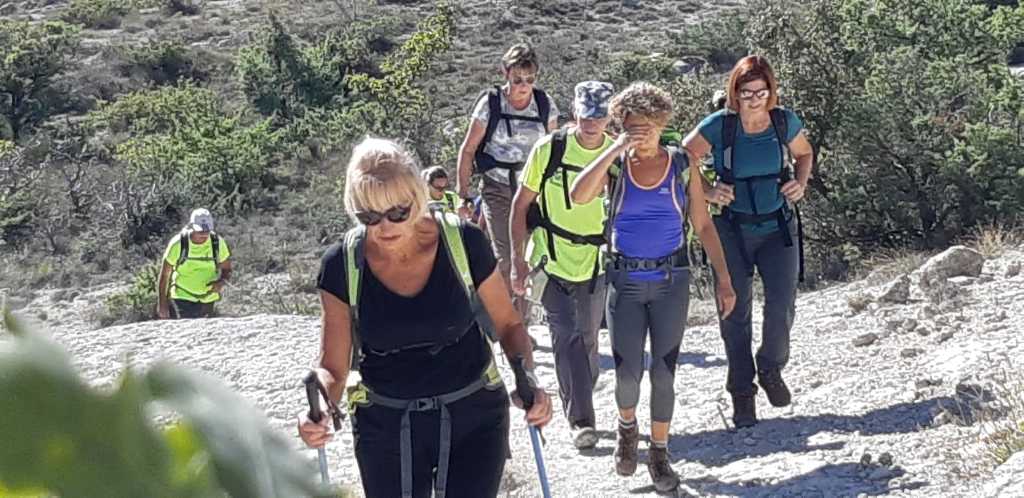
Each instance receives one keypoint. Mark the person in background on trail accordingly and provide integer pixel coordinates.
(195, 269)
(570, 236)
(648, 264)
(748, 141)
(439, 197)
(507, 121)
(423, 373)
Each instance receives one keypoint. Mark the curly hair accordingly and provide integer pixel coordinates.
(644, 99)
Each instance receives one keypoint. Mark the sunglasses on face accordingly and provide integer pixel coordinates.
(397, 214)
(523, 80)
(755, 94)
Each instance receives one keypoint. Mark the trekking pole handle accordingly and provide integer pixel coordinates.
(522, 382)
(312, 383)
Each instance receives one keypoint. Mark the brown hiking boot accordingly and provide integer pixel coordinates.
(773, 385)
(626, 451)
(744, 409)
(663, 475)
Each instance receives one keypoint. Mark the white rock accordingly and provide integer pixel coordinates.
(1008, 478)
(953, 262)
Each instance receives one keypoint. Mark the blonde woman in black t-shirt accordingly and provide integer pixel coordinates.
(420, 341)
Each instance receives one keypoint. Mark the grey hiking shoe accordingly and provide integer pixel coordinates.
(663, 475)
(626, 450)
(773, 385)
(584, 438)
(744, 409)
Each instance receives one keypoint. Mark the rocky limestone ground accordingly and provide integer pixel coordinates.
(893, 380)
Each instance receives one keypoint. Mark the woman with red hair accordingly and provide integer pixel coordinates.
(749, 141)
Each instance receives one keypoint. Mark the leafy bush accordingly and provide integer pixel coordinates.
(181, 137)
(719, 40)
(62, 437)
(283, 77)
(163, 63)
(137, 303)
(32, 55)
(97, 14)
(332, 93)
(914, 118)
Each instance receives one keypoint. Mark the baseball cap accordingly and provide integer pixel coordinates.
(592, 98)
(201, 220)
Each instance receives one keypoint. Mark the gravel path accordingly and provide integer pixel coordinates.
(910, 393)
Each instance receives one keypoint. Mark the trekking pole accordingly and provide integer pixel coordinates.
(526, 394)
(313, 397)
(313, 391)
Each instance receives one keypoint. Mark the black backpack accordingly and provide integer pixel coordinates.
(484, 162)
(183, 243)
(780, 124)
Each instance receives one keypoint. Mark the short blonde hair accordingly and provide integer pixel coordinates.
(643, 99)
(382, 174)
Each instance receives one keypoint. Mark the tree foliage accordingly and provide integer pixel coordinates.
(31, 56)
(915, 119)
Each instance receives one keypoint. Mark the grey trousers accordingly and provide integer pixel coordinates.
(574, 317)
(777, 266)
(637, 308)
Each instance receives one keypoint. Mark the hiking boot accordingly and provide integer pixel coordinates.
(626, 450)
(663, 475)
(744, 409)
(584, 438)
(773, 385)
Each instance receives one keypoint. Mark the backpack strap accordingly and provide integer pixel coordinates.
(183, 247)
(543, 106)
(494, 113)
(450, 229)
(730, 123)
(355, 262)
(215, 245)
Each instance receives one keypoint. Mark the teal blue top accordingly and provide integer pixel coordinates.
(753, 155)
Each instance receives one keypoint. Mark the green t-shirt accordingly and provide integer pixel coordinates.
(575, 262)
(190, 281)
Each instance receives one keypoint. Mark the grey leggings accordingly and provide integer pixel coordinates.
(636, 307)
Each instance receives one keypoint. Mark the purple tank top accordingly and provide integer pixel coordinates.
(649, 221)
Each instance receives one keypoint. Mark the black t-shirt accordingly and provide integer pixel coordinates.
(408, 343)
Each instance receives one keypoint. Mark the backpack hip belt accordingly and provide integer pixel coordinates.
(439, 402)
(676, 260)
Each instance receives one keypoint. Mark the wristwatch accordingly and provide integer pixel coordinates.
(467, 202)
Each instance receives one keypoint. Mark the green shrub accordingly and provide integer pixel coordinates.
(163, 63)
(137, 303)
(182, 138)
(65, 438)
(97, 14)
(32, 55)
(914, 118)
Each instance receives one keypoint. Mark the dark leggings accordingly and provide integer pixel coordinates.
(480, 425)
(192, 309)
(636, 308)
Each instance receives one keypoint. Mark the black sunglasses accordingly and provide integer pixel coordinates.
(396, 214)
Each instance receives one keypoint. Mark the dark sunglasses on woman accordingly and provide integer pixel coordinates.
(396, 214)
